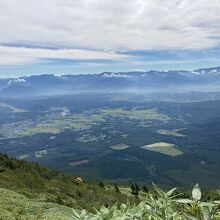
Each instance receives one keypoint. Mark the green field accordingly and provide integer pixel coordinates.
(39, 129)
(120, 147)
(84, 121)
(174, 133)
(136, 114)
(75, 122)
(87, 138)
(163, 148)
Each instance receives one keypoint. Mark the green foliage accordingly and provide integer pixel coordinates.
(116, 188)
(145, 189)
(29, 191)
(14, 206)
(101, 184)
(161, 206)
(48, 185)
(135, 189)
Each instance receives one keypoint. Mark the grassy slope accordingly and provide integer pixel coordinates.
(15, 206)
(47, 185)
(162, 205)
(31, 192)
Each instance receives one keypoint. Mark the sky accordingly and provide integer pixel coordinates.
(93, 36)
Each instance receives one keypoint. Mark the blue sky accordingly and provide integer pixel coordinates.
(93, 36)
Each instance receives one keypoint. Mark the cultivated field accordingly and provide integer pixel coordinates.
(164, 148)
(119, 147)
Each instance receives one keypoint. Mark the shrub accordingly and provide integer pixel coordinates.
(163, 205)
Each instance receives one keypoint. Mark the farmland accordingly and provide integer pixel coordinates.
(119, 147)
(163, 148)
(174, 133)
(116, 140)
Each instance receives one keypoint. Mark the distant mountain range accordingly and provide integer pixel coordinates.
(201, 80)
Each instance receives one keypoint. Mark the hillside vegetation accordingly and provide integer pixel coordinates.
(160, 206)
(36, 182)
(31, 192)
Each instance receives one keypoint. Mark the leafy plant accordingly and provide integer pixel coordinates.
(195, 209)
(161, 206)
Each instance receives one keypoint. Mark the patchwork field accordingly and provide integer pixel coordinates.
(163, 148)
(136, 114)
(78, 162)
(86, 138)
(120, 147)
(170, 133)
(115, 141)
(57, 120)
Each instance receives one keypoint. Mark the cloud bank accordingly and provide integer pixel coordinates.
(104, 29)
(21, 55)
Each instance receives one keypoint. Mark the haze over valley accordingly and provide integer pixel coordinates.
(141, 127)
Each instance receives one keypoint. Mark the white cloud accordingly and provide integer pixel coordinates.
(112, 24)
(104, 26)
(22, 55)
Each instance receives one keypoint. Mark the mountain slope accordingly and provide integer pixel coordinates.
(15, 206)
(30, 192)
(50, 186)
